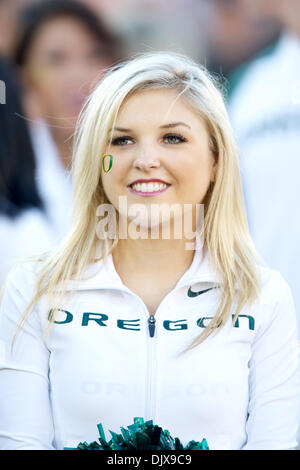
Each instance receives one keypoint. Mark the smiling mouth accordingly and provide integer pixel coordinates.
(148, 189)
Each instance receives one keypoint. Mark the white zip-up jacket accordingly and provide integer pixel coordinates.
(103, 361)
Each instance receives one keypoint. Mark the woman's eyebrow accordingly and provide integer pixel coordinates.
(165, 126)
(174, 124)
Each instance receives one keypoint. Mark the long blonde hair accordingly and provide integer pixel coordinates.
(226, 234)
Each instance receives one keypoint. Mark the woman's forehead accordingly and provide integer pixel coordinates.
(148, 94)
(161, 105)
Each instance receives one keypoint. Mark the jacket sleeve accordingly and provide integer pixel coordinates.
(25, 411)
(274, 387)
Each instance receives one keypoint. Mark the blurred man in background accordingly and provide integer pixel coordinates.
(265, 113)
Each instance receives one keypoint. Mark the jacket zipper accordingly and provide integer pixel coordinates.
(151, 325)
(151, 371)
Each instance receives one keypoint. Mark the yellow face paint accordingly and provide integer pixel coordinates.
(110, 162)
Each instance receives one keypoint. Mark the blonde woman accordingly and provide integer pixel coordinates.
(123, 321)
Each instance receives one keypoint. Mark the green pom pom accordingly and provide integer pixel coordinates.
(140, 436)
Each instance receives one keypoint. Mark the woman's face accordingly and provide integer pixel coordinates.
(63, 62)
(158, 143)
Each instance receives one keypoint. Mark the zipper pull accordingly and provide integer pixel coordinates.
(151, 323)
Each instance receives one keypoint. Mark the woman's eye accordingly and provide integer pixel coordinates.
(172, 138)
(175, 138)
(119, 140)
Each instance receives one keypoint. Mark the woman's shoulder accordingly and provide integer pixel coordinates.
(274, 289)
(25, 235)
(17, 291)
(21, 278)
(274, 312)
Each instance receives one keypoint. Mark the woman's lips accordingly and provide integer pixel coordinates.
(147, 194)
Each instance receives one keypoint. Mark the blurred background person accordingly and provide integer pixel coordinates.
(9, 11)
(62, 49)
(265, 113)
(218, 33)
(233, 37)
(148, 25)
(24, 229)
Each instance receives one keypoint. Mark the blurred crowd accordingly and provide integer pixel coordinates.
(52, 52)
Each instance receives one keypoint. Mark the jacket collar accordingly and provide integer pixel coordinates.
(103, 275)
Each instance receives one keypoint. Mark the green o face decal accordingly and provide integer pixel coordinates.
(106, 170)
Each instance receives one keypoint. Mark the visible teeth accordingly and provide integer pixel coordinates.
(149, 187)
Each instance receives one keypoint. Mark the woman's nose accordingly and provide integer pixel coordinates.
(146, 161)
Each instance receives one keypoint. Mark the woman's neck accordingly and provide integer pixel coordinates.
(154, 259)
